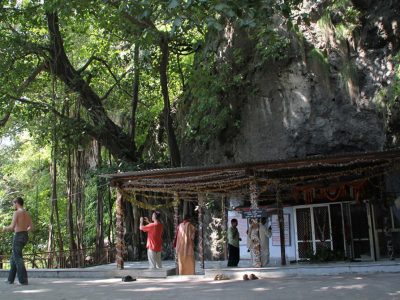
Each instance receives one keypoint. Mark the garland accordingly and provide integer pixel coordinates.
(132, 199)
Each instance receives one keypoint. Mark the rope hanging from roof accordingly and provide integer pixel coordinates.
(131, 197)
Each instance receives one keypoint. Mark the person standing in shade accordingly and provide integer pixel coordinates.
(233, 244)
(184, 246)
(21, 223)
(154, 239)
(265, 234)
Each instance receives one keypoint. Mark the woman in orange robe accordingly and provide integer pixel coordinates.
(185, 247)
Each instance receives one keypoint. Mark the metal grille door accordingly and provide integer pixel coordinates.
(322, 228)
(313, 226)
(304, 232)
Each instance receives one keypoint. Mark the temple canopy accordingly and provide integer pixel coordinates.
(235, 178)
(331, 175)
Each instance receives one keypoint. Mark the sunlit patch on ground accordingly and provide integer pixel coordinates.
(394, 294)
(341, 287)
(32, 291)
(349, 287)
(261, 289)
(149, 289)
(322, 289)
(64, 281)
(112, 280)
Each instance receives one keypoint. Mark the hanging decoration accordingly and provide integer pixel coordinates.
(358, 187)
(254, 194)
(308, 195)
(131, 197)
(332, 193)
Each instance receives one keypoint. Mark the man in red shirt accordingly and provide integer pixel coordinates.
(154, 238)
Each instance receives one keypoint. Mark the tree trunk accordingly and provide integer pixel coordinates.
(106, 131)
(135, 97)
(137, 248)
(70, 213)
(54, 201)
(181, 75)
(99, 206)
(129, 227)
(78, 195)
(172, 143)
(50, 239)
(110, 212)
(99, 223)
(110, 217)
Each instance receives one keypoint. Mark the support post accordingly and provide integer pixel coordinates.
(176, 224)
(281, 226)
(201, 198)
(255, 245)
(387, 222)
(225, 225)
(120, 246)
(254, 194)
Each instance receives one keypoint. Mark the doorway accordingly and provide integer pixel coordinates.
(313, 230)
(343, 228)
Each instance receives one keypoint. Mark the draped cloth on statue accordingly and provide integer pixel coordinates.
(185, 248)
(265, 234)
(254, 244)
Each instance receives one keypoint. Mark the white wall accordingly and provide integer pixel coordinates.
(242, 227)
(275, 251)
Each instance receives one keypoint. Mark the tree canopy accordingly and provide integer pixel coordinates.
(87, 86)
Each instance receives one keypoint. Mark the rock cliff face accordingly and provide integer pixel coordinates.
(324, 97)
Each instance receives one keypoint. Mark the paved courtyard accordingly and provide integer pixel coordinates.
(349, 286)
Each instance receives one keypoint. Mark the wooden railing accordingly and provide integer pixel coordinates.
(65, 259)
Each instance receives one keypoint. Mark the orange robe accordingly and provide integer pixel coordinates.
(185, 248)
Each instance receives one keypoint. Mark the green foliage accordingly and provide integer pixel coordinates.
(346, 16)
(209, 112)
(320, 60)
(99, 38)
(349, 72)
(388, 97)
(350, 15)
(24, 171)
(325, 22)
(270, 45)
(219, 79)
(395, 91)
(319, 56)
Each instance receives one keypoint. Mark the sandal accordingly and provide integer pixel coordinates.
(253, 277)
(223, 277)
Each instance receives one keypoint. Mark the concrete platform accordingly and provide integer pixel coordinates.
(301, 269)
(212, 268)
(134, 269)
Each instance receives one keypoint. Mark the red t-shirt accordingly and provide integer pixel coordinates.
(154, 236)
